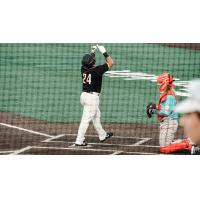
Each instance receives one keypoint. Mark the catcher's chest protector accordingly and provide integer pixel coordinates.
(163, 98)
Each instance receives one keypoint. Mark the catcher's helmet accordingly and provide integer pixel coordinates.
(165, 80)
(88, 60)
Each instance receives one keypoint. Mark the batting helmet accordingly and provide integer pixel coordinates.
(88, 60)
(165, 80)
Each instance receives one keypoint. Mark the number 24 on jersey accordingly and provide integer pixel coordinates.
(86, 78)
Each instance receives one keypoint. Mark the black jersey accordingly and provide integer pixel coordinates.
(92, 77)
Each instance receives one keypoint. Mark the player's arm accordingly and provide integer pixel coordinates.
(108, 58)
(155, 111)
(167, 107)
(161, 113)
(109, 61)
(152, 109)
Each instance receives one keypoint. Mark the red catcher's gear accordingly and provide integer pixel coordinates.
(163, 98)
(165, 80)
(174, 147)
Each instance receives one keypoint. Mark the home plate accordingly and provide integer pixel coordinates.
(80, 147)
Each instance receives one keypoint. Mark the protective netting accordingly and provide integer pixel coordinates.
(40, 87)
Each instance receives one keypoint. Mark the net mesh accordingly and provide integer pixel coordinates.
(40, 87)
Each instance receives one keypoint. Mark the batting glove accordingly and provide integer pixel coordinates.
(93, 49)
(101, 49)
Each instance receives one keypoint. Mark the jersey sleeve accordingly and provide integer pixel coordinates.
(101, 69)
(167, 107)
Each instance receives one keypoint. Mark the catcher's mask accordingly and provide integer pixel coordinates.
(88, 60)
(165, 80)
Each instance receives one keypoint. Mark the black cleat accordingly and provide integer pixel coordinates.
(108, 135)
(84, 144)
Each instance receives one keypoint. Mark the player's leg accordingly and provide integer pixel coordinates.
(97, 125)
(86, 118)
(172, 129)
(168, 129)
(162, 135)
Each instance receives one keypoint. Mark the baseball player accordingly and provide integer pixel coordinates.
(165, 109)
(92, 76)
(190, 122)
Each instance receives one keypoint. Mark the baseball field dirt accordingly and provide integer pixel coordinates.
(20, 135)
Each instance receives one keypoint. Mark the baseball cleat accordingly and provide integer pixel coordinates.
(108, 135)
(81, 145)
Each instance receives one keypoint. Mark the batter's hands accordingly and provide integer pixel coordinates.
(108, 58)
(101, 49)
(93, 49)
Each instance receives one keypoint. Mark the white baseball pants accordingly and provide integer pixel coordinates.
(168, 129)
(91, 112)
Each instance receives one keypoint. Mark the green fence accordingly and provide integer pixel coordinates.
(43, 81)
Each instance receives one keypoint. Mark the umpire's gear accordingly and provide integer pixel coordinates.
(88, 60)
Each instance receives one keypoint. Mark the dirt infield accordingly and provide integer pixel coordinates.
(19, 135)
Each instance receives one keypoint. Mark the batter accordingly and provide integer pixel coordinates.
(92, 76)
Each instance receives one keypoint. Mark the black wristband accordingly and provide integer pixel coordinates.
(106, 55)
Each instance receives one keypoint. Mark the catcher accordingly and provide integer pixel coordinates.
(190, 121)
(165, 109)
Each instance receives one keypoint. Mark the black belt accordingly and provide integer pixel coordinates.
(93, 93)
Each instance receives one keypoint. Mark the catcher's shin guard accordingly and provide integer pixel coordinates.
(175, 147)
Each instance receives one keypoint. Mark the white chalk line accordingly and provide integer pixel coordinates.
(26, 130)
(115, 136)
(53, 138)
(87, 148)
(107, 144)
(20, 150)
(75, 148)
(57, 148)
(138, 153)
(1, 152)
(117, 152)
(141, 142)
(71, 148)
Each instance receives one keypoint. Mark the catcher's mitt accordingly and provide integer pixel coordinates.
(149, 110)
